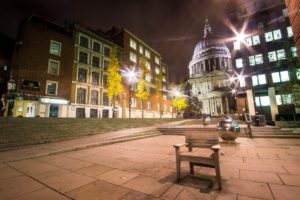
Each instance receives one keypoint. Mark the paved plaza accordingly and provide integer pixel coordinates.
(145, 169)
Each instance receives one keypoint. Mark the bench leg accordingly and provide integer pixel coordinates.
(218, 175)
(191, 168)
(178, 167)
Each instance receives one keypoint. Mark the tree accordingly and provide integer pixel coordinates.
(142, 87)
(179, 103)
(115, 86)
(158, 91)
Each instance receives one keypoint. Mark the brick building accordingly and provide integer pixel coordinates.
(294, 15)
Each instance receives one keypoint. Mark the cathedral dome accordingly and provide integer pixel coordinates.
(210, 54)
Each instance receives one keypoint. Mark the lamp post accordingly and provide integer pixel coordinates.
(131, 76)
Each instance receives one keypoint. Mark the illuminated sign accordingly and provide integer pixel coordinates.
(54, 101)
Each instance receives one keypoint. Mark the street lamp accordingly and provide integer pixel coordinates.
(131, 76)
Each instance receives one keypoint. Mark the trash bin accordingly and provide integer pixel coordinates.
(259, 120)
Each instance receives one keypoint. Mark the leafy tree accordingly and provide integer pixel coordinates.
(115, 86)
(158, 91)
(179, 103)
(142, 87)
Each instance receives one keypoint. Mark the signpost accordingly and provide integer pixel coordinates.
(248, 122)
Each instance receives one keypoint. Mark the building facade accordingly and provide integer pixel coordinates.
(134, 51)
(210, 70)
(261, 55)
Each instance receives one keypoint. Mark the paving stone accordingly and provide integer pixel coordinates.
(247, 198)
(247, 188)
(147, 185)
(64, 162)
(193, 193)
(260, 176)
(134, 195)
(116, 176)
(98, 190)
(226, 196)
(93, 170)
(172, 192)
(45, 193)
(290, 179)
(283, 192)
(292, 170)
(14, 187)
(64, 180)
(8, 172)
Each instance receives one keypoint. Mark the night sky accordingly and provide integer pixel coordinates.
(172, 27)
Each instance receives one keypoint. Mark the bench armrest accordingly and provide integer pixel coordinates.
(177, 146)
(216, 147)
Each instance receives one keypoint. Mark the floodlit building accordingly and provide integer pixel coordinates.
(210, 70)
(262, 54)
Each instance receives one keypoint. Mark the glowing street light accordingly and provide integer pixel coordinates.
(240, 37)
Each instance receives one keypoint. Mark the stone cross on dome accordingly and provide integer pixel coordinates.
(207, 29)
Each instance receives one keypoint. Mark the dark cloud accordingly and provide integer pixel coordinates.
(172, 27)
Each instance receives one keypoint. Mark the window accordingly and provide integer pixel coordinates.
(281, 54)
(294, 51)
(95, 78)
(96, 47)
(256, 59)
(157, 71)
(55, 48)
(141, 49)
(259, 79)
(51, 88)
(94, 97)
(147, 53)
(239, 63)
(171, 109)
(83, 57)
(84, 41)
(148, 78)
(289, 31)
(283, 99)
(148, 66)
(158, 106)
(133, 57)
(276, 55)
(251, 41)
(104, 80)
(242, 82)
(157, 61)
(298, 74)
(165, 97)
(164, 79)
(81, 95)
(273, 35)
(236, 45)
(105, 64)
(107, 51)
(53, 67)
(96, 61)
(148, 105)
(133, 102)
(82, 75)
(133, 44)
(272, 56)
(163, 69)
(284, 76)
(262, 101)
(165, 108)
(93, 113)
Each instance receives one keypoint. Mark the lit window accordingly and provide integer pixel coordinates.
(280, 54)
(53, 67)
(171, 109)
(157, 61)
(164, 79)
(249, 42)
(289, 31)
(133, 102)
(51, 88)
(257, 102)
(239, 63)
(294, 51)
(148, 66)
(276, 77)
(133, 44)
(286, 98)
(265, 101)
(141, 50)
(259, 59)
(254, 80)
(298, 74)
(255, 40)
(284, 75)
(147, 53)
(259, 79)
(272, 56)
(133, 57)
(251, 60)
(242, 82)
(278, 99)
(55, 48)
(236, 45)
(148, 77)
(269, 36)
(157, 71)
(165, 97)
(163, 69)
(277, 34)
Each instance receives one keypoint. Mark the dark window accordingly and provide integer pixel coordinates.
(82, 73)
(81, 95)
(51, 88)
(105, 99)
(80, 112)
(93, 113)
(105, 113)
(30, 85)
(96, 47)
(84, 42)
(94, 97)
(83, 57)
(105, 64)
(95, 61)
(95, 78)
(107, 51)
(104, 80)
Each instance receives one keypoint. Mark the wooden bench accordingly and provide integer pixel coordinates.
(206, 156)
